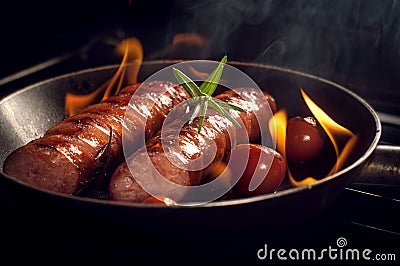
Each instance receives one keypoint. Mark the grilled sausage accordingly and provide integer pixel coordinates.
(72, 153)
(215, 130)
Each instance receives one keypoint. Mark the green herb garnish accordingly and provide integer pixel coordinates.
(202, 96)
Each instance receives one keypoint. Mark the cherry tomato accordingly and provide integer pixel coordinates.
(159, 201)
(304, 139)
(257, 168)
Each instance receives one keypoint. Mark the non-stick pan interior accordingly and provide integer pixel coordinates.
(28, 113)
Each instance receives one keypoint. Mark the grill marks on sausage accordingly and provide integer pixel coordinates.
(64, 159)
(216, 130)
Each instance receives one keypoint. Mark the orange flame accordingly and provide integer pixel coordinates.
(192, 38)
(333, 130)
(199, 74)
(277, 126)
(132, 55)
(188, 46)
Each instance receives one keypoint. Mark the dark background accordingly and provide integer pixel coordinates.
(349, 37)
(355, 43)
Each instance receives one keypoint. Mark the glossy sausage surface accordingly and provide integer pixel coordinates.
(73, 153)
(217, 131)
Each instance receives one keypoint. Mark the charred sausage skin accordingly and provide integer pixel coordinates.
(67, 158)
(123, 185)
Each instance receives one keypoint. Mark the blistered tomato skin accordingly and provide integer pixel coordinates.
(304, 139)
(271, 177)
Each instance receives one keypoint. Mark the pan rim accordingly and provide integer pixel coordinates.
(222, 203)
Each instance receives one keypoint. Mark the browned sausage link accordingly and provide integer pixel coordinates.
(123, 186)
(66, 159)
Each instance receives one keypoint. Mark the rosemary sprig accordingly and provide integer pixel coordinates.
(202, 96)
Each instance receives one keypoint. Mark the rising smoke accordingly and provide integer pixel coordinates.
(323, 37)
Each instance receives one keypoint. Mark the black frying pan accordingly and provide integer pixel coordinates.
(29, 112)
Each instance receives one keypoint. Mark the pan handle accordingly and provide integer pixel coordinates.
(382, 169)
